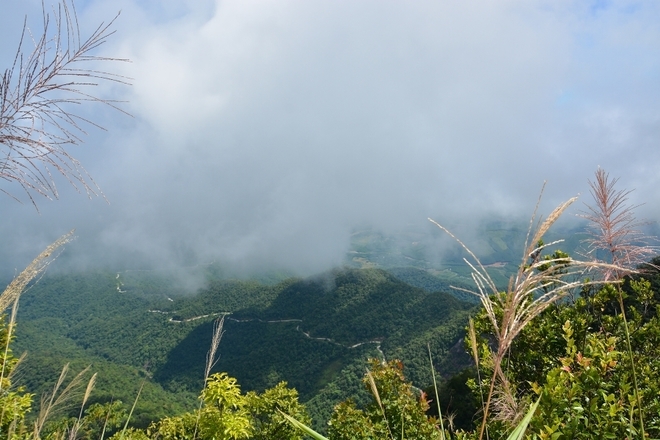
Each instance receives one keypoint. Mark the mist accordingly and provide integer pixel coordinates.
(264, 133)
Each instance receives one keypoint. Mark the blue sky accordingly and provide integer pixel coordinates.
(264, 132)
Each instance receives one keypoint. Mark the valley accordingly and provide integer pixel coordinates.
(315, 333)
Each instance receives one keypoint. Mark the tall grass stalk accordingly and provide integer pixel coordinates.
(130, 414)
(73, 432)
(211, 356)
(437, 395)
(57, 400)
(36, 267)
(472, 334)
(12, 294)
(617, 234)
(374, 391)
(5, 356)
(105, 422)
(211, 360)
(638, 396)
(537, 284)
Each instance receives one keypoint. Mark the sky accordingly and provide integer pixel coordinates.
(264, 133)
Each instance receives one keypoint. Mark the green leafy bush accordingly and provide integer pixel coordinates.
(226, 413)
(395, 412)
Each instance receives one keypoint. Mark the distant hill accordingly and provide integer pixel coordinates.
(498, 244)
(424, 279)
(317, 329)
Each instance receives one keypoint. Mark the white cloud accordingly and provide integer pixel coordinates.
(264, 131)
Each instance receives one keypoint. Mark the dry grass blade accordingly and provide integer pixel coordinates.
(130, 413)
(58, 400)
(211, 358)
(472, 334)
(9, 364)
(374, 390)
(11, 295)
(616, 235)
(376, 394)
(38, 94)
(531, 221)
(437, 396)
(105, 422)
(482, 273)
(90, 387)
(7, 369)
(73, 433)
(38, 265)
(545, 226)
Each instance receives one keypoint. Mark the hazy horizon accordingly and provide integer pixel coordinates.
(264, 133)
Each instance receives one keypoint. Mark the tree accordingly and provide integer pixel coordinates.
(229, 414)
(395, 412)
(38, 94)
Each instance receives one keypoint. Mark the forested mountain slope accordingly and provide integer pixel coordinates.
(315, 333)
